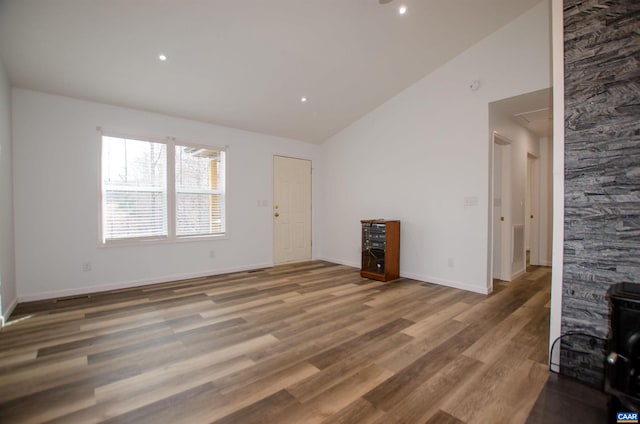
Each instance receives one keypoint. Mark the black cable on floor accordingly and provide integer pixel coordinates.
(571, 333)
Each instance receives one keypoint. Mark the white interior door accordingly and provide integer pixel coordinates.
(531, 220)
(501, 208)
(497, 212)
(291, 210)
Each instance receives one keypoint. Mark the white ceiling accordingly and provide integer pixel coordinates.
(241, 63)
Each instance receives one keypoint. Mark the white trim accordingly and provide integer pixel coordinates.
(490, 203)
(172, 224)
(517, 274)
(505, 262)
(171, 144)
(418, 277)
(5, 316)
(447, 283)
(168, 146)
(137, 283)
(557, 48)
(533, 202)
(338, 261)
(131, 136)
(273, 203)
(144, 241)
(99, 186)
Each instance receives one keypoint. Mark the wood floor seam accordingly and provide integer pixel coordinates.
(312, 342)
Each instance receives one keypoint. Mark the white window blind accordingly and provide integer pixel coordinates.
(157, 190)
(200, 190)
(134, 188)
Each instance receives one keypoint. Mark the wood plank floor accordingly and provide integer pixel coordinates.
(305, 343)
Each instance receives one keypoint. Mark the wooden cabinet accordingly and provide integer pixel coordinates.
(380, 249)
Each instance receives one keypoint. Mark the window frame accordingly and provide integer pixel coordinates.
(222, 192)
(171, 189)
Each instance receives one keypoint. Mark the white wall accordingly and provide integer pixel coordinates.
(56, 157)
(524, 142)
(546, 200)
(419, 155)
(7, 263)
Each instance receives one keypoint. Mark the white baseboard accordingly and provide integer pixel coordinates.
(517, 274)
(418, 277)
(53, 294)
(135, 283)
(442, 282)
(339, 261)
(6, 314)
(542, 263)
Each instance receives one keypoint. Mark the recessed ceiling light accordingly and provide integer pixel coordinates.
(402, 10)
(303, 99)
(162, 57)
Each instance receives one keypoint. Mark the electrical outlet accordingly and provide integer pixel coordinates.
(212, 254)
(451, 262)
(86, 266)
(470, 201)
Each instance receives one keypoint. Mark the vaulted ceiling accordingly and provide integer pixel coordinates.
(241, 63)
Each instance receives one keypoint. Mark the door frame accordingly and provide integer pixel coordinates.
(533, 205)
(505, 262)
(273, 203)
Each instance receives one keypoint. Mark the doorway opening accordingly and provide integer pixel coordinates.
(520, 185)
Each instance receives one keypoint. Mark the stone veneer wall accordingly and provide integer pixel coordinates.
(602, 172)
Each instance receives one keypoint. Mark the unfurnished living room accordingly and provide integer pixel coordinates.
(319, 211)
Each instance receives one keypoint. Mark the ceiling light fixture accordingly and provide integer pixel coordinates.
(402, 9)
(303, 99)
(162, 57)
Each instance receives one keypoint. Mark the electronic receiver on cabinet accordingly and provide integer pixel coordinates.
(380, 249)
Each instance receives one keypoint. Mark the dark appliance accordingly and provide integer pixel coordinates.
(622, 378)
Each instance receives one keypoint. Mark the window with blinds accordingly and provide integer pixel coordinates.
(199, 191)
(161, 190)
(134, 189)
